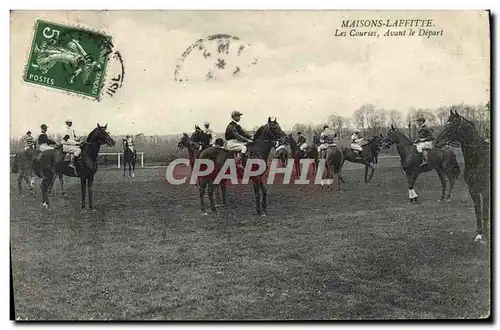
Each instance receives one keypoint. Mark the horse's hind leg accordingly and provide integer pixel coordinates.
(124, 168)
(211, 188)
(218, 194)
(263, 188)
(202, 189)
(61, 182)
(256, 192)
(133, 168)
(19, 184)
(476, 198)
(44, 187)
(443, 184)
(223, 188)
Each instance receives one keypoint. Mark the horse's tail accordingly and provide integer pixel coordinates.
(15, 166)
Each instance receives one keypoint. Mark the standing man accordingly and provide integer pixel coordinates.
(236, 137)
(70, 142)
(43, 141)
(424, 140)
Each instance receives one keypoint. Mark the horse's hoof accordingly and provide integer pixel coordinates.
(83, 210)
(45, 205)
(218, 205)
(263, 215)
(94, 210)
(204, 213)
(448, 200)
(133, 175)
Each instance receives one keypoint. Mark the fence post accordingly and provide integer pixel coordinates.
(142, 159)
(118, 160)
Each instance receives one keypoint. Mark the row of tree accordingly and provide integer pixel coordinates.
(372, 121)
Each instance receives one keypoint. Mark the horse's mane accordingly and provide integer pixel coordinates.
(258, 132)
(89, 137)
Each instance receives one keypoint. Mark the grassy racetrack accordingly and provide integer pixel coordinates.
(147, 253)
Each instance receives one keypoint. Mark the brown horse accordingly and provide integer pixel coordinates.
(368, 156)
(23, 164)
(476, 153)
(311, 152)
(51, 163)
(260, 148)
(442, 160)
(129, 158)
(334, 160)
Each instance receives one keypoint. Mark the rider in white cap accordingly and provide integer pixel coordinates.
(209, 132)
(356, 141)
(70, 142)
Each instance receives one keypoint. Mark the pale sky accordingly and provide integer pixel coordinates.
(303, 72)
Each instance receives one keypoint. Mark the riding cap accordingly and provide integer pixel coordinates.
(325, 126)
(421, 119)
(68, 121)
(235, 113)
(356, 130)
(299, 133)
(43, 126)
(28, 132)
(207, 123)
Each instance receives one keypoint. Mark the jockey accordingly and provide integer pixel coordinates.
(356, 141)
(237, 137)
(29, 141)
(70, 142)
(43, 141)
(301, 141)
(326, 138)
(210, 133)
(424, 140)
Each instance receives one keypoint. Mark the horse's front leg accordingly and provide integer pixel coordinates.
(223, 188)
(83, 187)
(442, 178)
(263, 188)
(211, 188)
(476, 198)
(61, 181)
(90, 182)
(202, 189)
(133, 168)
(19, 183)
(412, 195)
(124, 167)
(256, 192)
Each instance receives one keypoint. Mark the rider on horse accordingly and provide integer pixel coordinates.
(356, 141)
(29, 141)
(326, 139)
(424, 140)
(209, 133)
(70, 142)
(129, 143)
(237, 137)
(43, 141)
(301, 142)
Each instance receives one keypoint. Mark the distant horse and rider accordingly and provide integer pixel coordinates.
(476, 151)
(421, 156)
(363, 151)
(129, 156)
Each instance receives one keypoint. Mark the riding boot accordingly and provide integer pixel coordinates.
(243, 160)
(72, 161)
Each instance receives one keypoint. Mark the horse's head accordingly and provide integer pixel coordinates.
(184, 142)
(457, 128)
(101, 136)
(272, 131)
(391, 138)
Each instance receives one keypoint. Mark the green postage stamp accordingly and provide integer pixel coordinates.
(68, 58)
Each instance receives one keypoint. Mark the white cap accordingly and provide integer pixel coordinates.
(68, 120)
(207, 123)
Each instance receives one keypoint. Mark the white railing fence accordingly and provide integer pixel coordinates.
(118, 157)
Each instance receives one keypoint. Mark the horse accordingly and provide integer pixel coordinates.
(311, 152)
(369, 155)
(477, 169)
(195, 143)
(282, 155)
(443, 161)
(259, 148)
(334, 160)
(51, 162)
(23, 164)
(129, 158)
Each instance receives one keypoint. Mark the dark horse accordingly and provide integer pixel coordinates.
(260, 148)
(311, 152)
(476, 153)
(51, 162)
(334, 160)
(23, 164)
(442, 160)
(194, 144)
(369, 155)
(129, 158)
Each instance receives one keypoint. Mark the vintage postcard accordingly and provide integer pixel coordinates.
(250, 165)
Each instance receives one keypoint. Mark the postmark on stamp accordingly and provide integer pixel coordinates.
(71, 59)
